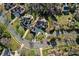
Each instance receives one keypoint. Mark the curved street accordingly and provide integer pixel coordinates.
(18, 38)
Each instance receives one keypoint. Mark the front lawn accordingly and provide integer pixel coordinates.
(14, 45)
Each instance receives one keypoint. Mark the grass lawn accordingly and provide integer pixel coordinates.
(77, 24)
(18, 28)
(16, 23)
(14, 45)
(32, 53)
(29, 36)
(50, 25)
(62, 20)
(8, 16)
(3, 27)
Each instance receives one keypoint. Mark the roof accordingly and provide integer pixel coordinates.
(6, 52)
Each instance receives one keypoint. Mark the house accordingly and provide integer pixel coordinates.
(26, 21)
(42, 24)
(9, 5)
(18, 11)
(6, 52)
(36, 30)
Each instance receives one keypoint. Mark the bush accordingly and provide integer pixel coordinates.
(6, 34)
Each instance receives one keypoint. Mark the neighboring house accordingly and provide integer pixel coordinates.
(18, 11)
(9, 5)
(26, 21)
(6, 52)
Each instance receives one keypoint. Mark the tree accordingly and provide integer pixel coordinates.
(45, 10)
(76, 14)
(6, 34)
(72, 8)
